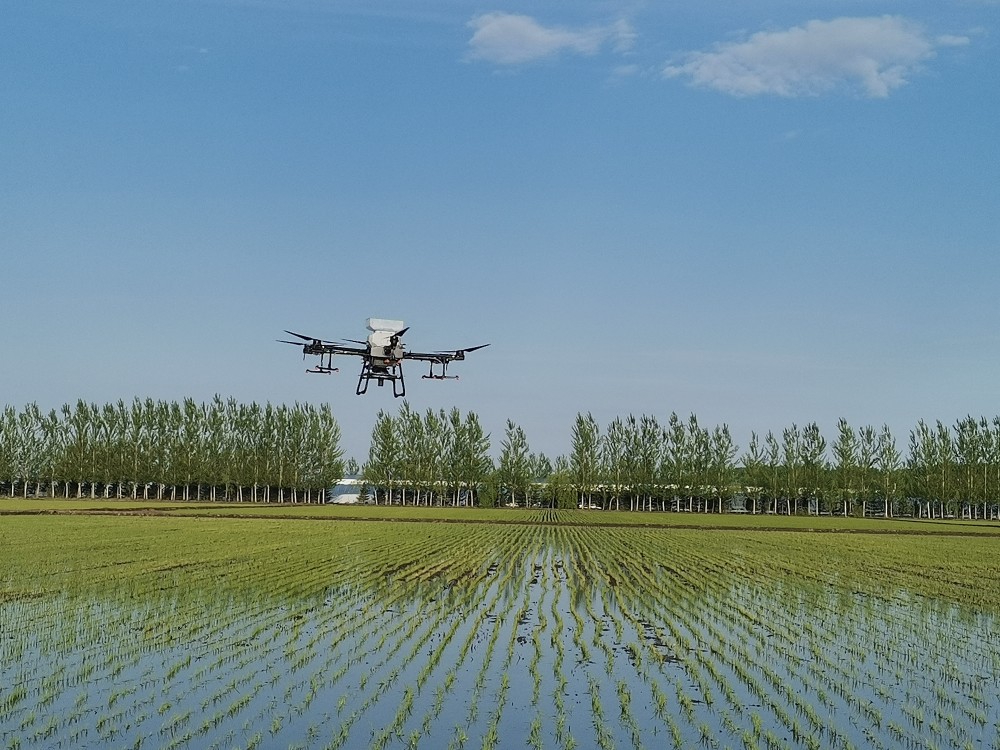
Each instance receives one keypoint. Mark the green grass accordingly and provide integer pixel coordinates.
(53, 552)
(655, 519)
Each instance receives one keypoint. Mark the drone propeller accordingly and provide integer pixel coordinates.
(299, 335)
(311, 340)
(464, 351)
(397, 336)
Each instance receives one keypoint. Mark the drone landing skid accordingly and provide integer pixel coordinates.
(325, 366)
(441, 374)
(392, 373)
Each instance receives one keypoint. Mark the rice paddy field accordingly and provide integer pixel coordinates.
(134, 625)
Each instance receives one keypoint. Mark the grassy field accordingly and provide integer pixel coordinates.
(165, 625)
(707, 521)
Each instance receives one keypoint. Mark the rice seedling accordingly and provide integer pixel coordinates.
(535, 738)
(198, 632)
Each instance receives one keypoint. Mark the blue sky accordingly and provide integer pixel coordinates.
(762, 213)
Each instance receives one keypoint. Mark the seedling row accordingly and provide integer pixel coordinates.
(204, 632)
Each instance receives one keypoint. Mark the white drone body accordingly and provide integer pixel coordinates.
(381, 355)
(382, 333)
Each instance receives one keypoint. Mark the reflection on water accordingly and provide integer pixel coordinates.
(546, 637)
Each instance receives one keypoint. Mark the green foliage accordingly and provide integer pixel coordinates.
(265, 453)
(515, 471)
(585, 456)
(439, 458)
(190, 449)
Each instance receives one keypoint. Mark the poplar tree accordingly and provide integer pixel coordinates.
(812, 454)
(723, 452)
(845, 454)
(514, 472)
(754, 471)
(382, 469)
(585, 457)
(613, 466)
(888, 460)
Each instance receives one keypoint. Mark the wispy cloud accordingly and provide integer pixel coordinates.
(877, 54)
(512, 39)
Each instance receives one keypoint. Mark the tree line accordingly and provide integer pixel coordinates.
(226, 450)
(433, 458)
(220, 450)
(644, 463)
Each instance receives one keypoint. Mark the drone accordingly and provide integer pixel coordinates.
(382, 355)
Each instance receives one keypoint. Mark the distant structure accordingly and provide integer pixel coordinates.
(346, 492)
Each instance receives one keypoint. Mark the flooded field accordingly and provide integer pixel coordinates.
(236, 633)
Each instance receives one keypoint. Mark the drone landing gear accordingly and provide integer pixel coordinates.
(442, 375)
(380, 374)
(324, 367)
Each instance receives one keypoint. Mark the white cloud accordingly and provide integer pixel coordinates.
(622, 34)
(626, 71)
(950, 40)
(512, 39)
(877, 54)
